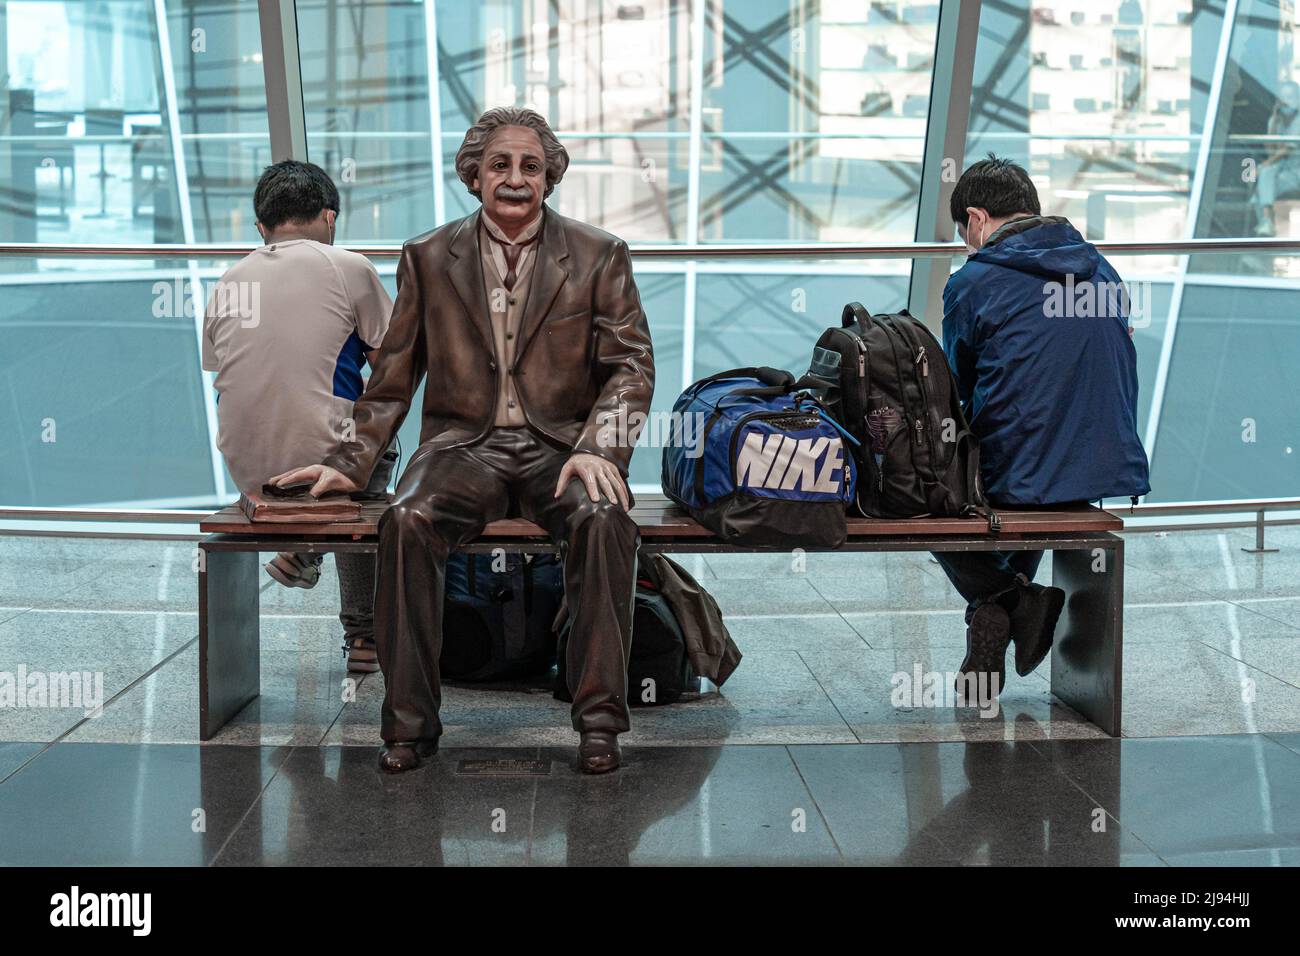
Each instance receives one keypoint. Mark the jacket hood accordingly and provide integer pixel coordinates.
(1046, 246)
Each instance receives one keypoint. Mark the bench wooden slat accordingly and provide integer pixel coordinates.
(1087, 656)
(660, 518)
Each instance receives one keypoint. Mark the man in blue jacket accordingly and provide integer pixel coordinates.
(1035, 327)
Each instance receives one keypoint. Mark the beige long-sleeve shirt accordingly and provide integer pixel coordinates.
(286, 330)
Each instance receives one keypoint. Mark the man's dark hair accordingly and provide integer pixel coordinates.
(292, 191)
(998, 185)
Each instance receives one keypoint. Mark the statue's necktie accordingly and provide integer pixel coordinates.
(512, 251)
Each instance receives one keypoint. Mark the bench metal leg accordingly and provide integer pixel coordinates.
(230, 667)
(1087, 656)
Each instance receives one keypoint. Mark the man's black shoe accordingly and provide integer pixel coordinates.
(598, 751)
(403, 755)
(987, 637)
(1033, 623)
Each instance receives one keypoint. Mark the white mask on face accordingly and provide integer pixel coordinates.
(969, 247)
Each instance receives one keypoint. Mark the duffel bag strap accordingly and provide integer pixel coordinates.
(776, 381)
(765, 374)
(805, 383)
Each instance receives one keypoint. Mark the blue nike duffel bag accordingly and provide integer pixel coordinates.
(759, 462)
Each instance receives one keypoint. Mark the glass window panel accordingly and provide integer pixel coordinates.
(1108, 107)
(774, 188)
(365, 76)
(1228, 424)
(1252, 174)
(772, 315)
(611, 80)
(86, 154)
(1104, 105)
(586, 65)
(105, 399)
(221, 100)
(814, 116)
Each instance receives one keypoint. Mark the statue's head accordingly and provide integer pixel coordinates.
(510, 161)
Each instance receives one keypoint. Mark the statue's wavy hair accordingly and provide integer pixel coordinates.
(470, 154)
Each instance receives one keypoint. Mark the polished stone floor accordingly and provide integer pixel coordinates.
(802, 757)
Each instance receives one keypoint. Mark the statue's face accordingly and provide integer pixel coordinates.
(512, 176)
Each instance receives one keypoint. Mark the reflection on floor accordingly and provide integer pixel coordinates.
(802, 757)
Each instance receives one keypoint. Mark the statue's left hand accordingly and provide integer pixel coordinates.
(597, 474)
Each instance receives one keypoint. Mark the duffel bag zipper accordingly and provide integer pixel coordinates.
(699, 462)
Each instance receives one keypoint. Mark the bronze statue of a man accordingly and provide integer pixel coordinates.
(530, 330)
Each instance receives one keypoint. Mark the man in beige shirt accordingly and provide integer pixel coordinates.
(287, 330)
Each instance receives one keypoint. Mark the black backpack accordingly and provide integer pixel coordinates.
(496, 625)
(896, 396)
(658, 669)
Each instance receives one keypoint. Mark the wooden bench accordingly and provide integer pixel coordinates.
(1088, 564)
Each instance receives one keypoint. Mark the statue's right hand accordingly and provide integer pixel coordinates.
(323, 477)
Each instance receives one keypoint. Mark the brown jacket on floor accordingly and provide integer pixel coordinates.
(712, 652)
(709, 645)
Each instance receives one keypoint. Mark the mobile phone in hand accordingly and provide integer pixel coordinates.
(296, 490)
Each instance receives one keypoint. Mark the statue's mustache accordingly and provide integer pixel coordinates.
(510, 193)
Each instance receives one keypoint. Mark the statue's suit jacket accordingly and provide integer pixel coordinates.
(583, 352)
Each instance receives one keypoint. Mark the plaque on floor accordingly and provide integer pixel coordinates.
(504, 768)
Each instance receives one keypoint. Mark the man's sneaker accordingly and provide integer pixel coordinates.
(987, 637)
(291, 571)
(1033, 623)
(362, 658)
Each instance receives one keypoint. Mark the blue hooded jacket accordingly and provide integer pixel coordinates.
(1036, 331)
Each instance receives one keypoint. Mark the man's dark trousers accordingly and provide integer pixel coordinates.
(444, 499)
(979, 575)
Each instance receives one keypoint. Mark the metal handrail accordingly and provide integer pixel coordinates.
(191, 516)
(1260, 506)
(1158, 509)
(719, 250)
(149, 515)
